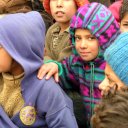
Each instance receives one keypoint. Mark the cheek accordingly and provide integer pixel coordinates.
(5, 63)
(77, 46)
(95, 50)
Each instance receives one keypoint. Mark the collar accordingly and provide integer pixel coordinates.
(57, 29)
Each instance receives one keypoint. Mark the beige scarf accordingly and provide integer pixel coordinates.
(10, 94)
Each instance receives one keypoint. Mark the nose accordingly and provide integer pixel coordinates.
(59, 3)
(83, 44)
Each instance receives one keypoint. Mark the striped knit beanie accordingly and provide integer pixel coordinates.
(117, 57)
(79, 3)
(99, 20)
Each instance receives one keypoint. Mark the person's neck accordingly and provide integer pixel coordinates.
(16, 69)
(63, 26)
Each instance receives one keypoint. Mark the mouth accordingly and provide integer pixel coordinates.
(59, 13)
(84, 53)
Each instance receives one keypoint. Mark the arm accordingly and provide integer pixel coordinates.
(5, 121)
(64, 69)
(57, 105)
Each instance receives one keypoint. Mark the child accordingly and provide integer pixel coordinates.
(116, 57)
(112, 111)
(92, 29)
(57, 44)
(26, 101)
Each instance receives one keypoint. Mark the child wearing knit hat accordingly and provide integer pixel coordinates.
(92, 29)
(116, 56)
(57, 44)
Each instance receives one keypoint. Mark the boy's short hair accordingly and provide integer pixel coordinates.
(112, 111)
(123, 9)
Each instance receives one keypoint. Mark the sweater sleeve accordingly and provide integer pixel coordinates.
(68, 77)
(57, 105)
(5, 121)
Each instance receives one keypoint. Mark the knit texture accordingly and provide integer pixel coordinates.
(117, 57)
(79, 3)
(10, 95)
(99, 20)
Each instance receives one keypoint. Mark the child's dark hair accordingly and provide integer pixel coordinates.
(123, 9)
(112, 111)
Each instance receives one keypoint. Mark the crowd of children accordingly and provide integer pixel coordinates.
(82, 44)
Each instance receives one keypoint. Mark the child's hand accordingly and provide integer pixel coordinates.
(48, 69)
(104, 86)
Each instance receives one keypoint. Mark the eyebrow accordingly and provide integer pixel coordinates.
(125, 21)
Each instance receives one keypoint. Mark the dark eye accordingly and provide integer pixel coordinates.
(77, 38)
(125, 24)
(91, 38)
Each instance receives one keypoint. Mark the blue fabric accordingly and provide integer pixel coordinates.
(22, 36)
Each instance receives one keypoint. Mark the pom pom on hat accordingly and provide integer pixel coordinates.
(79, 3)
(117, 57)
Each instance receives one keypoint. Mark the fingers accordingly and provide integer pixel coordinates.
(51, 72)
(56, 77)
(48, 70)
(42, 71)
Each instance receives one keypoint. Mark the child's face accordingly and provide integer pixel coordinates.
(62, 10)
(124, 23)
(110, 79)
(87, 45)
(5, 61)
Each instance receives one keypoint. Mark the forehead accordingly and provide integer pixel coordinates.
(125, 18)
(80, 31)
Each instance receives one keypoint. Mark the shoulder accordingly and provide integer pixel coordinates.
(52, 27)
(52, 94)
(72, 60)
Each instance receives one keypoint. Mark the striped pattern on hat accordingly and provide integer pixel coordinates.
(46, 4)
(99, 20)
(117, 57)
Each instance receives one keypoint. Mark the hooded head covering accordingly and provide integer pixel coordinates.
(99, 20)
(79, 3)
(22, 36)
(117, 57)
